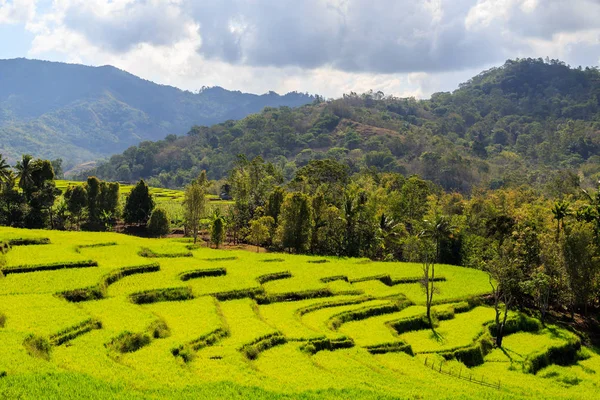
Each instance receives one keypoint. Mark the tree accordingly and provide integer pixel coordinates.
(274, 203)
(76, 198)
(505, 278)
(582, 264)
(139, 204)
(159, 223)
(217, 230)
(4, 170)
(260, 231)
(24, 170)
(295, 222)
(560, 211)
(194, 204)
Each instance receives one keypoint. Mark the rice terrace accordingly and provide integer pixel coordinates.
(93, 314)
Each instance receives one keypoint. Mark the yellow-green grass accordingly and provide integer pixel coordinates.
(85, 367)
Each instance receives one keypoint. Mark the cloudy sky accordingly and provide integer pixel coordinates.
(330, 47)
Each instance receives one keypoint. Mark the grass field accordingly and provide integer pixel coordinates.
(88, 315)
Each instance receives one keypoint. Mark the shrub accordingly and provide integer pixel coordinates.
(257, 346)
(2, 320)
(415, 323)
(202, 273)
(38, 346)
(313, 346)
(71, 333)
(274, 276)
(128, 342)
(20, 269)
(157, 295)
(562, 354)
(520, 323)
(159, 223)
(394, 347)
(28, 242)
(159, 329)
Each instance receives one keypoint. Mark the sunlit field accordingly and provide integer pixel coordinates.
(90, 315)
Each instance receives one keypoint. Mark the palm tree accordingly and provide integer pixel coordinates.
(24, 171)
(4, 170)
(560, 210)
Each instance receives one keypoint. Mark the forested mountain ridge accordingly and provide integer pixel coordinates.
(529, 121)
(82, 113)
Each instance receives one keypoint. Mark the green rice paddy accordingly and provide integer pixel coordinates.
(111, 319)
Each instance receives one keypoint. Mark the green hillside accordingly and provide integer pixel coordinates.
(517, 124)
(90, 315)
(80, 113)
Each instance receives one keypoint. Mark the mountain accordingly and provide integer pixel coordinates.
(81, 113)
(529, 121)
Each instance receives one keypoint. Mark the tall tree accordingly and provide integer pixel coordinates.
(76, 198)
(434, 230)
(4, 170)
(139, 204)
(295, 222)
(24, 171)
(561, 210)
(194, 204)
(217, 230)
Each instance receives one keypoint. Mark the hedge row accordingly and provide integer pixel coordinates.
(129, 342)
(329, 304)
(562, 354)
(93, 246)
(238, 294)
(21, 269)
(158, 295)
(313, 346)
(202, 273)
(98, 291)
(72, 332)
(273, 260)
(221, 259)
(263, 343)
(416, 323)
(148, 253)
(337, 320)
(293, 296)
(334, 278)
(393, 347)
(186, 351)
(274, 276)
(318, 261)
(28, 242)
(388, 281)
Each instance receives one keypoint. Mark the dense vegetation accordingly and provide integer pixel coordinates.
(528, 122)
(79, 113)
(237, 324)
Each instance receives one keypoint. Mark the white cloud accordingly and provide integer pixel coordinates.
(16, 11)
(330, 47)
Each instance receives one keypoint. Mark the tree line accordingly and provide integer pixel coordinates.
(541, 252)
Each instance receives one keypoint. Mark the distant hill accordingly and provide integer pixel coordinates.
(81, 113)
(530, 121)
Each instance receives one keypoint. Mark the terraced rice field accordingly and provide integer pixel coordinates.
(103, 315)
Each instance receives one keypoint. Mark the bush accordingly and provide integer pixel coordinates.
(416, 323)
(520, 323)
(202, 273)
(38, 346)
(394, 347)
(2, 320)
(157, 295)
(159, 223)
(253, 349)
(20, 269)
(159, 329)
(315, 345)
(274, 276)
(563, 354)
(128, 342)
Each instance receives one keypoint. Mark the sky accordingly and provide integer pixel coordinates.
(327, 47)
